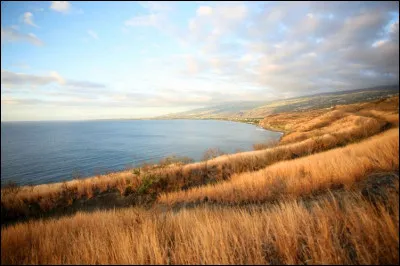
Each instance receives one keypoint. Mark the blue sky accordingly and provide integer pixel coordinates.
(97, 60)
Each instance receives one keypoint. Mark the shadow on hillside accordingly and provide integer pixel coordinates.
(375, 188)
(104, 201)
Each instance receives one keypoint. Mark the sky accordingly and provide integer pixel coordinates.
(65, 60)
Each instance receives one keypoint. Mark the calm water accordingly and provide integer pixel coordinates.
(46, 152)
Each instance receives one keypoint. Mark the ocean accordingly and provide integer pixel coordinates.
(54, 151)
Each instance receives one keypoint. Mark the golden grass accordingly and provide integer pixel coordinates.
(336, 229)
(312, 132)
(301, 125)
(328, 227)
(340, 166)
(351, 126)
(265, 145)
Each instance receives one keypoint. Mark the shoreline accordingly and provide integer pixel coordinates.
(227, 119)
(56, 183)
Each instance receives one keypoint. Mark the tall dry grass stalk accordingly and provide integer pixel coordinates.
(336, 229)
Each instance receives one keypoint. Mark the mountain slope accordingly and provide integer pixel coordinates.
(260, 109)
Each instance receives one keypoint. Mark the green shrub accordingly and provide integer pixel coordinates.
(174, 159)
(147, 181)
(136, 171)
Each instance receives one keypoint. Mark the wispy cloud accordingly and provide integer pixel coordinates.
(93, 34)
(13, 35)
(143, 20)
(28, 19)
(21, 65)
(156, 14)
(12, 79)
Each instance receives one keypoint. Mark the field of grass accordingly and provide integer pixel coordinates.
(303, 176)
(336, 229)
(326, 193)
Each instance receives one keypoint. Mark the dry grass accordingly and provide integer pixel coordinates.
(341, 166)
(306, 212)
(312, 132)
(336, 229)
(303, 125)
(265, 145)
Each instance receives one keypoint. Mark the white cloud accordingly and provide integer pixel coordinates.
(12, 79)
(293, 50)
(60, 6)
(247, 58)
(211, 23)
(192, 65)
(143, 20)
(394, 31)
(379, 43)
(57, 77)
(13, 35)
(394, 27)
(9, 100)
(157, 15)
(93, 34)
(204, 11)
(192, 24)
(155, 6)
(28, 19)
(235, 12)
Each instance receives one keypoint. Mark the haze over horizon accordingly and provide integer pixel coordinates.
(101, 60)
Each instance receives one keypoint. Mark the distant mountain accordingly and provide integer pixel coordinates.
(260, 109)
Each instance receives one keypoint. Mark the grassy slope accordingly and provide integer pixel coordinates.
(308, 210)
(339, 228)
(138, 187)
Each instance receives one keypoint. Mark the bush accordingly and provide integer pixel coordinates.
(129, 190)
(212, 153)
(147, 181)
(174, 159)
(136, 171)
(76, 175)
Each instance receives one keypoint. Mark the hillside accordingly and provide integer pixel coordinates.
(327, 193)
(243, 110)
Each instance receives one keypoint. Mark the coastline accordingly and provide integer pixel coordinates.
(142, 184)
(85, 177)
(251, 121)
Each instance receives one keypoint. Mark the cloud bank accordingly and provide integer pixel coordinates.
(11, 34)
